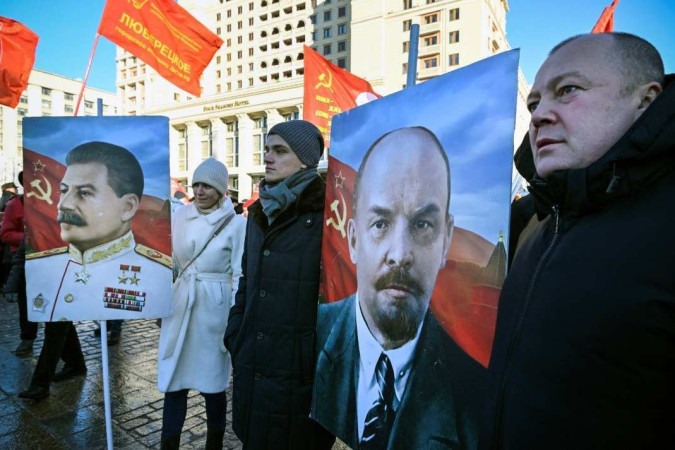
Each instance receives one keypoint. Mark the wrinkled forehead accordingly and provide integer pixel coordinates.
(86, 173)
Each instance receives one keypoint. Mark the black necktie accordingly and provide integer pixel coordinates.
(381, 414)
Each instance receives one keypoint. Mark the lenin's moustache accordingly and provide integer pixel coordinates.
(399, 277)
(71, 219)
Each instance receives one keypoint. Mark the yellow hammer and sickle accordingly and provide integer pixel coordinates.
(322, 82)
(41, 194)
(338, 224)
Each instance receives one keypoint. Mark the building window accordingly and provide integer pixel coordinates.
(312, 19)
(218, 31)
(207, 143)
(454, 14)
(407, 4)
(429, 2)
(258, 149)
(405, 68)
(250, 21)
(240, 39)
(232, 151)
(326, 32)
(342, 28)
(407, 24)
(342, 11)
(431, 39)
(342, 46)
(218, 16)
(327, 49)
(326, 16)
(406, 46)
(430, 18)
(68, 97)
(430, 63)
(454, 37)
(453, 60)
(46, 91)
(88, 104)
(183, 151)
(314, 35)
(218, 59)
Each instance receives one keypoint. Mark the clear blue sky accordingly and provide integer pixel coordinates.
(67, 29)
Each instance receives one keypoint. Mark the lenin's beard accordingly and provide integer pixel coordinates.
(399, 321)
(71, 219)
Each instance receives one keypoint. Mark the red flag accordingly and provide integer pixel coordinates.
(329, 90)
(41, 178)
(164, 35)
(339, 273)
(605, 23)
(17, 55)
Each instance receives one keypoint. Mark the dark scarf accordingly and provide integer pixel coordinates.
(275, 198)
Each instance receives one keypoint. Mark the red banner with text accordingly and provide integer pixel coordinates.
(164, 35)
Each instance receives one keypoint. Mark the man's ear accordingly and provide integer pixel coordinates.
(351, 239)
(447, 238)
(647, 93)
(129, 206)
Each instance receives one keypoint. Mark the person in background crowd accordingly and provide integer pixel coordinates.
(272, 326)
(208, 241)
(584, 350)
(12, 234)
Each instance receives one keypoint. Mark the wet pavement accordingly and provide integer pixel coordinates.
(72, 417)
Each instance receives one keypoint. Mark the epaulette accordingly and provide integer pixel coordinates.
(154, 255)
(53, 251)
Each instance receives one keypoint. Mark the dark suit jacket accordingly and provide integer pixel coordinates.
(439, 406)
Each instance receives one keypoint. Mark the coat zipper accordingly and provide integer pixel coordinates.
(518, 329)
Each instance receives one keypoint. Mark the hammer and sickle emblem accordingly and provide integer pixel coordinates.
(138, 4)
(323, 83)
(41, 194)
(340, 219)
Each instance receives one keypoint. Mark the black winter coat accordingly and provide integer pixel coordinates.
(272, 327)
(584, 352)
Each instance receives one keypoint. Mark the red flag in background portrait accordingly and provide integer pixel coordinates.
(17, 55)
(338, 272)
(330, 90)
(605, 23)
(164, 35)
(41, 179)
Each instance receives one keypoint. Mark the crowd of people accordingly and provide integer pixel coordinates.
(584, 349)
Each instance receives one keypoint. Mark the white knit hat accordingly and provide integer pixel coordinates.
(212, 172)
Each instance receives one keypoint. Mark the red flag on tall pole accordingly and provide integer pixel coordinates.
(17, 55)
(164, 36)
(605, 23)
(329, 90)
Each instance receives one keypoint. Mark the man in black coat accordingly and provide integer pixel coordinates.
(272, 326)
(584, 352)
(388, 375)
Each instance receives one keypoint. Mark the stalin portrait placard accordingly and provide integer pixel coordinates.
(98, 230)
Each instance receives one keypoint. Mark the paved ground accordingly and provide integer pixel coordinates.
(72, 417)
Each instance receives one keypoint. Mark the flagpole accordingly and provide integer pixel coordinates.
(86, 75)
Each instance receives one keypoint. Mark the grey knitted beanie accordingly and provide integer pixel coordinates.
(303, 137)
(212, 172)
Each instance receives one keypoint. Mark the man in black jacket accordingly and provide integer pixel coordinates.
(272, 325)
(584, 352)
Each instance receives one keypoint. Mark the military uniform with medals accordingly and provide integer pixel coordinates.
(116, 280)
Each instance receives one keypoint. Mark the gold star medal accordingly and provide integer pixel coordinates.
(82, 276)
(39, 303)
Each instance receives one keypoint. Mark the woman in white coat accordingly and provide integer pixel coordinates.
(208, 241)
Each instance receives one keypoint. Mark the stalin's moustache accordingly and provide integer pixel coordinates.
(71, 219)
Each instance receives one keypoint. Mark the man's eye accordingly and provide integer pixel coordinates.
(84, 193)
(567, 90)
(380, 225)
(422, 225)
(532, 106)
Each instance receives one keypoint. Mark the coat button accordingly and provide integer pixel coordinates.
(309, 222)
(257, 376)
(259, 335)
(263, 293)
(68, 298)
(266, 252)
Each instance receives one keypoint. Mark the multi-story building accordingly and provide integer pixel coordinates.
(46, 95)
(255, 79)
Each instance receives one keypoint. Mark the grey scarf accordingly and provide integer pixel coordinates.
(276, 198)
